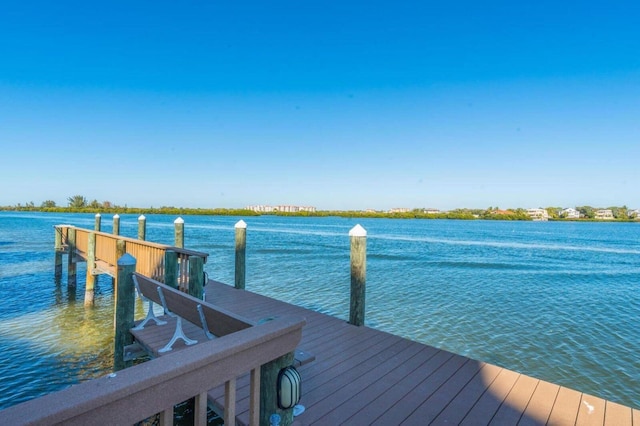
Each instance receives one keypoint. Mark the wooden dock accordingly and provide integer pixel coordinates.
(362, 376)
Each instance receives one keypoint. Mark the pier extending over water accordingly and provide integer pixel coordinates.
(351, 374)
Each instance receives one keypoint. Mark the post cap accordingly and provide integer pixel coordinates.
(98, 215)
(126, 260)
(241, 224)
(179, 220)
(358, 231)
(141, 217)
(116, 216)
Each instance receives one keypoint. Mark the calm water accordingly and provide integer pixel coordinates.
(557, 301)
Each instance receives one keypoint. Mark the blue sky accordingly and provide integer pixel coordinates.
(346, 105)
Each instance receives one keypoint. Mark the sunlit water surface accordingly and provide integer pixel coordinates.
(557, 301)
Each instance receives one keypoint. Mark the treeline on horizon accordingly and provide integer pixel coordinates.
(79, 204)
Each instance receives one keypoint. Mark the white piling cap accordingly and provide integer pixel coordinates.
(358, 231)
(116, 216)
(179, 220)
(241, 224)
(141, 217)
(97, 214)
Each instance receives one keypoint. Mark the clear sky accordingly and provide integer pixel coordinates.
(339, 105)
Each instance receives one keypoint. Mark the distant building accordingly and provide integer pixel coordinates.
(261, 209)
(570, 213)
(400, 210)
(538, 214)
(431, 211)
(634, 214)
(283, 208)
(604, 214)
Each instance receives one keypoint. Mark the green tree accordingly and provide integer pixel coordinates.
(77, 202)
(48, 204)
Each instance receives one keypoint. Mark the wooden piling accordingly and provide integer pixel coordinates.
(116, 224)
(269, 391)
(121, 249)
(124, 309)
(71, 257)
(142, 227)
(91, 265)
(98, 222)
(196, 276)
(58, 248)
(241, 246)
(179, 232)
(171, 268)
(358, 237)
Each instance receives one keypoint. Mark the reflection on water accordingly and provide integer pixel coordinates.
(557, 301)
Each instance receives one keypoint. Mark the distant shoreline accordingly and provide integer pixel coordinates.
(458, 214)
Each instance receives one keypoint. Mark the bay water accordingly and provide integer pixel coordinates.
(559, 301)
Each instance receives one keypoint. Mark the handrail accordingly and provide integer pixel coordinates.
(150, 256)
(138, 392)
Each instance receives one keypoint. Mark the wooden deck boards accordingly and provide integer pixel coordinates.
(361, 376)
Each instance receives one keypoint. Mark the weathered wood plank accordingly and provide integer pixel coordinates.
(591, 411)
(516, 401)
(466, 399)
(565, 408)
(435, 404)
(617, 415)
(490, 401)
(541, 403)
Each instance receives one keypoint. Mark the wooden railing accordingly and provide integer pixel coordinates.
(138, 392)
(150, 257)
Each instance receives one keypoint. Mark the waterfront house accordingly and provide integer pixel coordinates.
(538, 214)
(604, 214)
(570, 213)
(400, 210)
(431, 211)
(634, 214)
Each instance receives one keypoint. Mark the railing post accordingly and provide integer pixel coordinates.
(358, 237)
(121, 250)
(91, 265)
(116, 224)
(142, 227)
(171, 268)
(71, 257)
(179, 232)
(98, 221)
(124, 309)
(196, 276)
(58, 253)
(241, 247)
(269, 391)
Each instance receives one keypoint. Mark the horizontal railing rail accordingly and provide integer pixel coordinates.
(138, 392)
(150, 257)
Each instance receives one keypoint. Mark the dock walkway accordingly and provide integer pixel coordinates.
(362, 376)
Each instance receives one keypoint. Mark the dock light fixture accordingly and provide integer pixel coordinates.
(288, 387)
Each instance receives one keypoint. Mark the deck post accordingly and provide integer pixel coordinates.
(179, 232)
(196, 276)
(124, 309)
(121, 249)
(241, 247)
(116, 224)
(171, 268)
(98, 222)
(269, 391)
(91, 264)
(358, 237)
(58, 253)
(71, 258)
(142, 227)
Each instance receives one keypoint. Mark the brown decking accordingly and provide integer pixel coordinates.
(361, 376)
